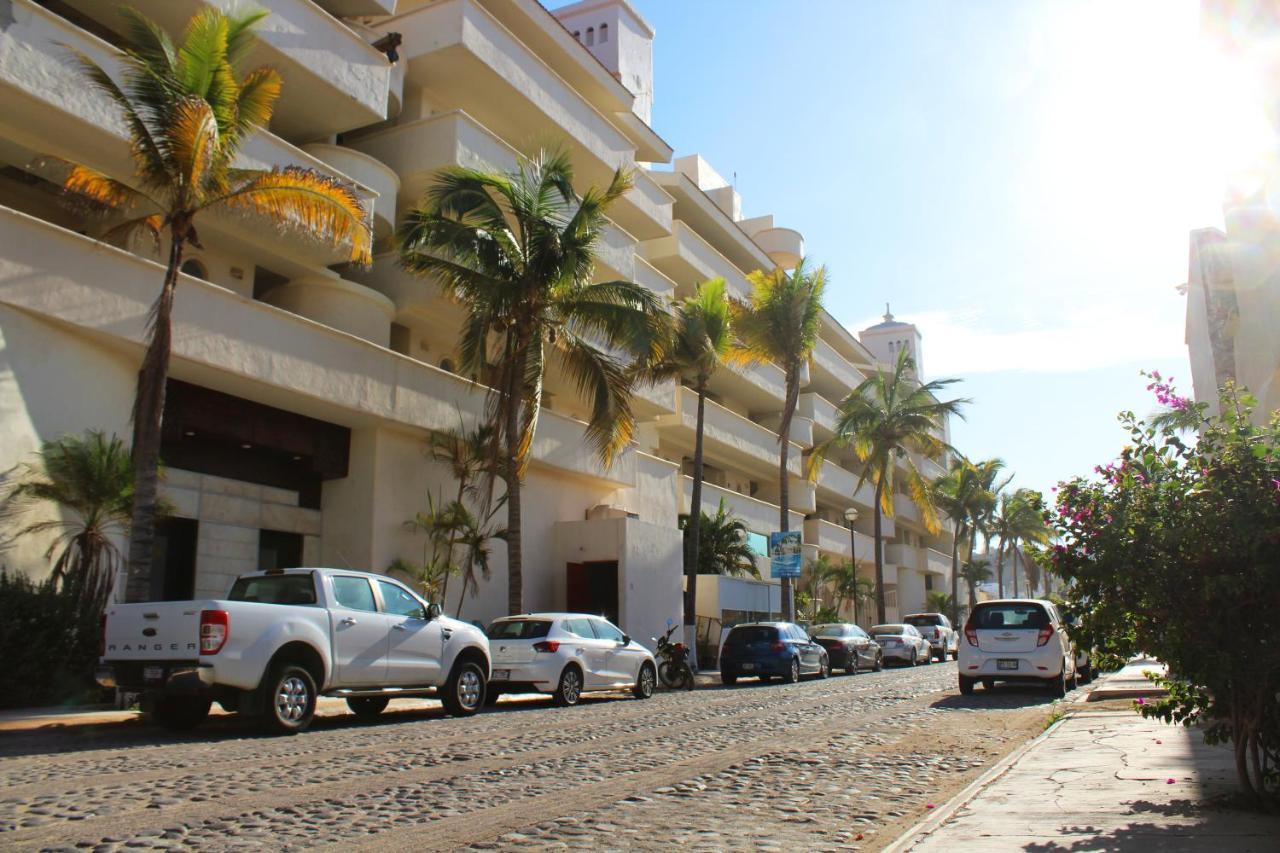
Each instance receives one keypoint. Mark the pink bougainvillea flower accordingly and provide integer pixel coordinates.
(928, 805)
(1139, 701)
(1170, 781)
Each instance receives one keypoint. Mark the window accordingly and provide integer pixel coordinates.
(606, 631)
(1014, 616)
(398, 602)
(832, 631)
(195, 269)
(604, 33)
(580, 628)
(353, 593)
(518, 629)
(275, 589)
(924, 621)
(591, 36)
(746, 634)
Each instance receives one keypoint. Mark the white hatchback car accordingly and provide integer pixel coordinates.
(1021, 640)
(566, 654)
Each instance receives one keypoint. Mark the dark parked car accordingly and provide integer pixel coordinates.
(771, 650)
(849, 647)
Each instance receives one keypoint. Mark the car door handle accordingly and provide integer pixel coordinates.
(347, 621)
(446, 633)
(399, 627)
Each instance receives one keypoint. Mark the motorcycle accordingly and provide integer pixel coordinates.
(673, 670)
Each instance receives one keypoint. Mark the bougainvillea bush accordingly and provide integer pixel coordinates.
(1173, 550)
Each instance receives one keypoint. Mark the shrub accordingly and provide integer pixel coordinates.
(1174, 550)
(48, 643)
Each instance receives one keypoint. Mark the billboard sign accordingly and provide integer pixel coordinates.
(784, 554)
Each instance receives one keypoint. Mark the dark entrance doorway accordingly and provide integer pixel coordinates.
(593, 588)
(279, 550)
(173, 576)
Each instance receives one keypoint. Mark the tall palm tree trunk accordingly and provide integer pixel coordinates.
(694, 531)
(955, 571)
(148, 412)
(784, 482)
(880, 609)
(1000, 568)
(515, 550)
(1014, 552)
(973, 541)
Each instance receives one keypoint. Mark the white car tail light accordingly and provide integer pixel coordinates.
(1043, 637)
(546, 646)
(971, 633)
(214, 629)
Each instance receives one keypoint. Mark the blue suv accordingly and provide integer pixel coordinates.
(771, 650)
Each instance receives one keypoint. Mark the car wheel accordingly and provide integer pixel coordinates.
(728, 679)
(824, 667)
(913, 657)
(291, 699)
(1057, 686)
(569, 690)
(645, 682)
(879, 667)
(367, 707)
(464, 690)
(966, 685)
(793, 673)
(179, 713)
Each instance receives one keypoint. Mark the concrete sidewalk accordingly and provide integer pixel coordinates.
(1102, 779)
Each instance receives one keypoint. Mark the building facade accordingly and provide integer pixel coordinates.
(302, 389)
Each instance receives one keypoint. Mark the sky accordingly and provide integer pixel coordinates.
(1016, 177)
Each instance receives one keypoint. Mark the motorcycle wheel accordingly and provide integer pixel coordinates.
(686, 673)
(670, 675)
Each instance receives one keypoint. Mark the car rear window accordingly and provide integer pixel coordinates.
(751, 634)
(1010, 616)
(923, 621)
(832, 631)
(275, 589)
(519, 629)
(888, 629)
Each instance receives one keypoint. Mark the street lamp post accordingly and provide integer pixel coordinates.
(851, 515)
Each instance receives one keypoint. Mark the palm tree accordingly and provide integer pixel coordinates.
(472, 532)
(887, 415)
(1025, 523)
(723, 548)
(517, 252)
(937, 601)
(864, 592)
(780, 323)
(982, 505)
(844, 581)
(89, 479)
(188, 114)
(701, 339)
(467, 454)
(952, 495)
(975, 572)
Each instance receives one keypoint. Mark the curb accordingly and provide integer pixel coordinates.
(941, 815)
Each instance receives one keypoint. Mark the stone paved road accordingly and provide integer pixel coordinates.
(818, 765)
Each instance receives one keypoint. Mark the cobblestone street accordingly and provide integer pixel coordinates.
(846, 762)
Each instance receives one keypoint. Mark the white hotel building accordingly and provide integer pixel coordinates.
(302, 389)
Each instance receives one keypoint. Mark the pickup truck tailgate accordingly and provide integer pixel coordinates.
(156, 630)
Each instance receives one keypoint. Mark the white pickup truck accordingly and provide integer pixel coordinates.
(282, 638)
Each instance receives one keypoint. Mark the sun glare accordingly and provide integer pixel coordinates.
(1231, 138)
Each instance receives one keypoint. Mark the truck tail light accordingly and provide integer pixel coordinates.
(971, 633)
(546, 646)
(1045, 633)
(214, 630)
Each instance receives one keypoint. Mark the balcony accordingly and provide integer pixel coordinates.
(736, 441)
(903, 556)
(702, 211)
(928, 468)
(50, 110)
(784, 246)
(816, 408)
(465, 59)
(366, 171)
(759, 516)
(830, 374)
(690, 260)
(834, 539)
(287, 360)
(937, 563)
(334, 81)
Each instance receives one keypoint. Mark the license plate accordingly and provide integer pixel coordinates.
(748, 666)
(501, 675)
(1006, 664)
(152, 673)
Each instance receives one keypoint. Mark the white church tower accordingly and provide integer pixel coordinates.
(888, 338)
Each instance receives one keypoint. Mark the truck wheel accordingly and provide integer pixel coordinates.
(464, 691)
(179, 713)
(291, 699)
(367, 707)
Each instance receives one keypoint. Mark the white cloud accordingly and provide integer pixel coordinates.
(966, 342)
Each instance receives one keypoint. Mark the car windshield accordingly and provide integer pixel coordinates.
(1030, 617)
(923, 621)
(889, 629)
(751, 634)
(831, 631)
(518, 629)
(275, 589)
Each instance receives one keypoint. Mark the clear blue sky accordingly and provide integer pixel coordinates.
(1016, 177)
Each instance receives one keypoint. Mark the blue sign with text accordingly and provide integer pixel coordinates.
(784, 554)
